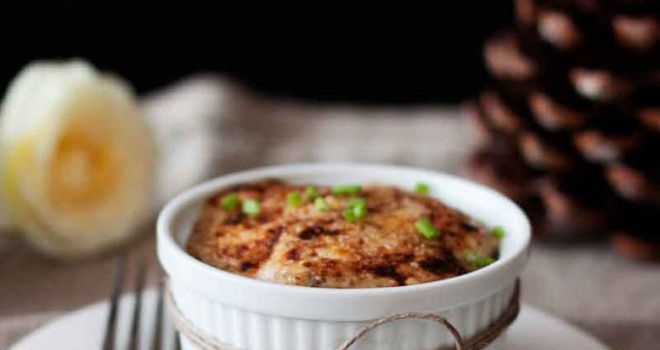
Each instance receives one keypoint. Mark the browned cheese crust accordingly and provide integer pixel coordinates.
(305, 246)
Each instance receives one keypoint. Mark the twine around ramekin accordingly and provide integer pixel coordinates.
(477, 342)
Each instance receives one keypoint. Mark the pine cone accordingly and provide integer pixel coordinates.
(570, 123)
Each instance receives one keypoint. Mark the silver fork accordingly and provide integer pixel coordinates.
(134, 335)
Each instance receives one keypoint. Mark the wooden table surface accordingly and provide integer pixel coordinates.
(615, 299)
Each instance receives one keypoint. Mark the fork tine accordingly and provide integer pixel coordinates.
(177, 341)
(134, 339)
(117, 285)
(157, 335)
(161, 326)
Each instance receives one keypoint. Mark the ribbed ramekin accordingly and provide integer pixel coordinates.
(257, 315)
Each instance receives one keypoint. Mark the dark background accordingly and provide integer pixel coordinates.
(395, 55)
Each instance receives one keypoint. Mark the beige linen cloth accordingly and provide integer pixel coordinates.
(208, 125)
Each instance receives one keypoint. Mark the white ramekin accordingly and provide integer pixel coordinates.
(258, 315)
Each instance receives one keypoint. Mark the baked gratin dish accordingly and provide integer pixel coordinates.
(350, 236)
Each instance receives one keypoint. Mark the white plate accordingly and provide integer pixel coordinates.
(83, 330)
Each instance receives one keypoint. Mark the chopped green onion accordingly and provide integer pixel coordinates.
(294, 199)
(356, 210)
(422, 188)
(479, 261)
(358, 202)
(311, 193)
(251, 207)
(484, 261)
(321, 205)
(426, 228)
(499, 232)
(230, 202)
(346, 189)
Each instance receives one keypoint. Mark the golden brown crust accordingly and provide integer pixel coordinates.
(305, 246)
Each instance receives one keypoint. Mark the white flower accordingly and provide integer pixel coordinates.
(76, 161)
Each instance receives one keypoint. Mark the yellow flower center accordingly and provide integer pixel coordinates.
(82, 170)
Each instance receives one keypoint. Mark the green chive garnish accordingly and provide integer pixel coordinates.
(422, 188)
(426, 228)
(484, 261)
(346, 189)
(480, 261)
(294, 199)
(311, 193)
(499, 233)
(230, 202)
(251, 207)
(321, 205)
(356, 210)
